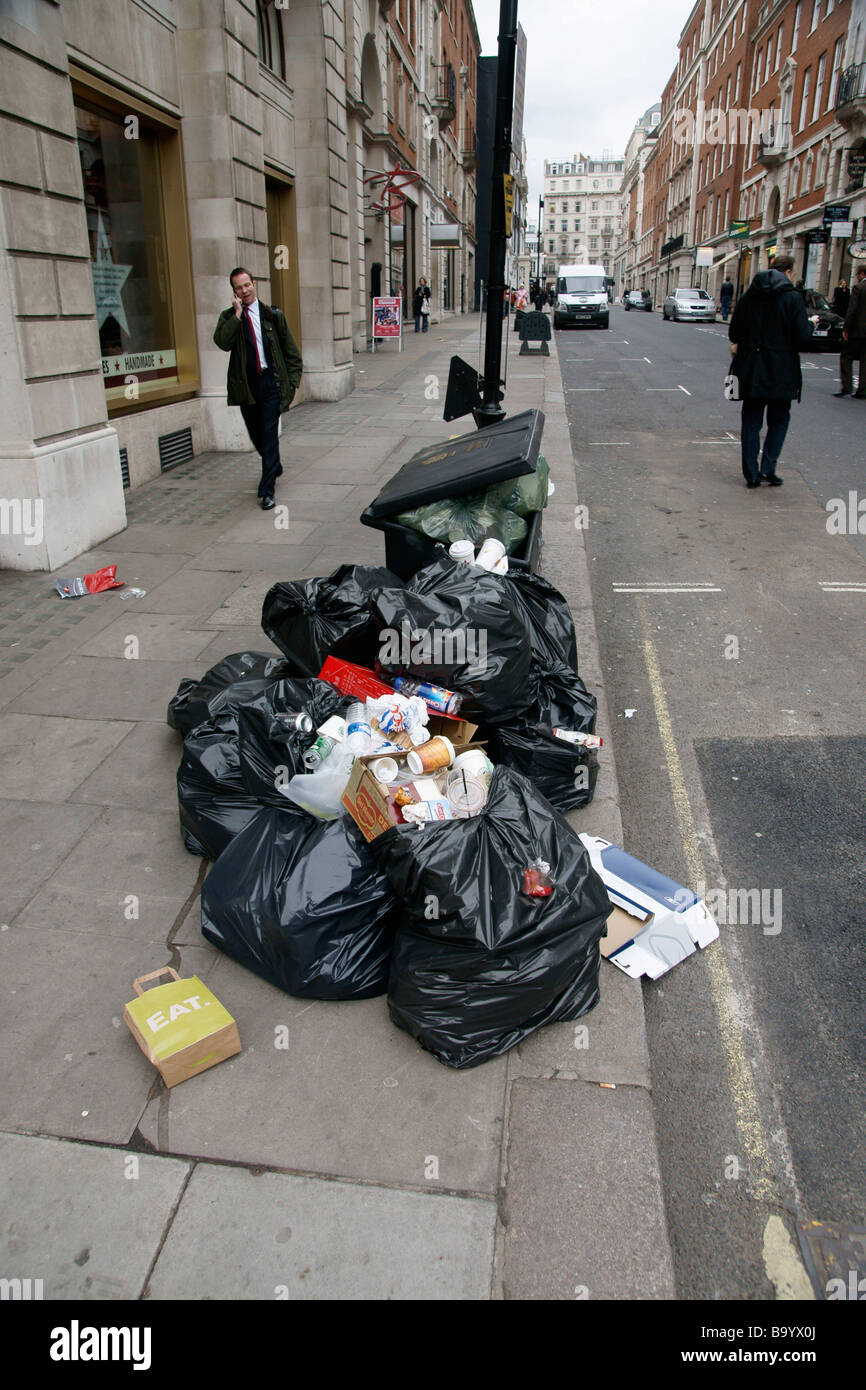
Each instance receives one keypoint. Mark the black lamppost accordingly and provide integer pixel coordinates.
(490, 411)
(540, 229)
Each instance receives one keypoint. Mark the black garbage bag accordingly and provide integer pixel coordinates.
(213, 803)
(303, 903)
(199, 700)
(459, 627)
(478, 964)
(271, 749)
(235, 762)
(565, 773)
(548, 618)
(311, 619)
(562, 701)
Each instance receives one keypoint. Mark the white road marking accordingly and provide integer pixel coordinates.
(840, 587)
(682, 388)
(663, 388)
(609, 444)
(646, 359)
(666, 589)
(586, 388)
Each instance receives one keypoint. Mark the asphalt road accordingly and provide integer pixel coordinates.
(743, 766)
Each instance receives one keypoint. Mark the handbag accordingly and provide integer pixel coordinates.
(732, 387)
(425, 306)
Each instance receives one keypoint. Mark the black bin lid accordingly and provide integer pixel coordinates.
(469, 463)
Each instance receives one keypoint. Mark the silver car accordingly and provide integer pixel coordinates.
(689, 306)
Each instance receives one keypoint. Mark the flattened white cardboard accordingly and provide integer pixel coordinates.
(668, 920)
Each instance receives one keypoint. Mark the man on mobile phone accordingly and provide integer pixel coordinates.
(263, 373)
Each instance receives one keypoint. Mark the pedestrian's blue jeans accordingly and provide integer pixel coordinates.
(778, 418)
(419, 320)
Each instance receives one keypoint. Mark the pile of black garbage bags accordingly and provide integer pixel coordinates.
(440, 917)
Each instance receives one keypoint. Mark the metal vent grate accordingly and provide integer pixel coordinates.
(124, 467)
(174, 449)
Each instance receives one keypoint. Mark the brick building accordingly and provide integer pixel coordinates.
(763, 122)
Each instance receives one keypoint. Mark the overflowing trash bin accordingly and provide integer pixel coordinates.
(384, 801)
(490, 482)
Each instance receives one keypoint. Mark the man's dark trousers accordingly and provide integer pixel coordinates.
(263, 419)
(778, 418)
(853, 350)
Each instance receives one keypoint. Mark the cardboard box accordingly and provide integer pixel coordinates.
(182, 1028)
(370, 802)
(656, 922)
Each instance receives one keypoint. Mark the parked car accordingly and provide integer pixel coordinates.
(689, 306)
(827, 332)
(638, 299)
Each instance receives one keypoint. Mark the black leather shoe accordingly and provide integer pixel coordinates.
(756, 483)
(859, 396)
(841, 393)
(773, 480)
(268, 504)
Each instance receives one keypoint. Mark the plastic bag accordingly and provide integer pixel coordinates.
(303, 904)
(311, 619)
(547, 616)
(271, 749)
(492, 963)
(497, 511)
(213, 803)
(320, 792)
(459, 627)
(199, 700)
(96, 583)
(231, 762)
(563, 772)
(472, 517)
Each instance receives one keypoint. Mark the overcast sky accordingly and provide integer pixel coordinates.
(593, 67)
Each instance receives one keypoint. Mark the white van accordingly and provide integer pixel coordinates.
(581, 296)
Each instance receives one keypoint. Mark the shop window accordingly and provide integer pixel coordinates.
(132, 174)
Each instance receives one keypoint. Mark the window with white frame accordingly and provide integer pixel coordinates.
(837, 66)
(816, 10)
(797, 13)
(778, 58)
(804, 103)
(819, 86)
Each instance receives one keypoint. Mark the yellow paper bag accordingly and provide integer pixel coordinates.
(182, 1028)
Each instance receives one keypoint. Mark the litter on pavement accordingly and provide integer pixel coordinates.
(385, 801)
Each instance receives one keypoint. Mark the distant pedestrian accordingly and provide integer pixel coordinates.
(854, 334)
(769, 329)
(421, 306)
(726, 294)
(841, 299)
(263, 373)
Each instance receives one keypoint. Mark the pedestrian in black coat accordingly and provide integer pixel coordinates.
(841, 299)
(854, 334)
(769, 329)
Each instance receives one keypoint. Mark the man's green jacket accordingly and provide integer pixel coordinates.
(288, 364)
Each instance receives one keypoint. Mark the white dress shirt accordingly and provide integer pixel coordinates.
(255, 320)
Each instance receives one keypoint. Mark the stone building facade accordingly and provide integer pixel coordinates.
(582, 212)
(149, 146)
(633, 255)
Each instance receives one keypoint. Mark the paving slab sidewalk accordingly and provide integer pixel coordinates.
(350, 1163)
